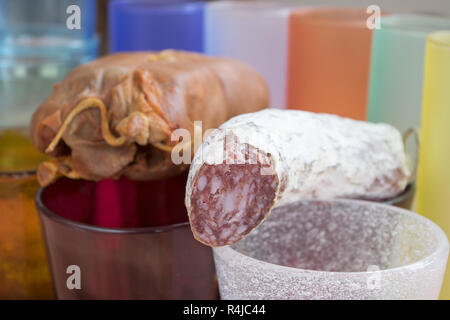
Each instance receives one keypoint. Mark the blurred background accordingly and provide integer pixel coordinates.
(420, 6)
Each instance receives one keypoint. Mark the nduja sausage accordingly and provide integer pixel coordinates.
(115, 115)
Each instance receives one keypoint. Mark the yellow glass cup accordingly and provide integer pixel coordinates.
(433, 190)
(24, 272)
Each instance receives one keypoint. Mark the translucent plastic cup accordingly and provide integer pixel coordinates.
(342, 249)
(121, 239)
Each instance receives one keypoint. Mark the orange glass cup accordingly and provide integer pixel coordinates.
(329, 57)
(24, 271)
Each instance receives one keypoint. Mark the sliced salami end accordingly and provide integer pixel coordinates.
(229, 200)
(303, 155)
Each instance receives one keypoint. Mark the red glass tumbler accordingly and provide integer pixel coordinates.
(123, 239)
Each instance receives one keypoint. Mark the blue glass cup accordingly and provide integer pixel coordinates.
(37, 49)
(155, 25)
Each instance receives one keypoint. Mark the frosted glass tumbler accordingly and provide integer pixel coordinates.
(329, 54)
(433, 192)
(339, 249)
(254, 32)
(396, 77)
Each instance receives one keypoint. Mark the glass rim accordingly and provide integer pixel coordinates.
(42, 209)
(414, 22)
(157, 6)
(407, 194)
(25, 46)
(353, 16)
(18, 173)
(442, 245)
(267, 7)
(437, 38)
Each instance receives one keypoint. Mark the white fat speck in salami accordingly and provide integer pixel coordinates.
(260, 160)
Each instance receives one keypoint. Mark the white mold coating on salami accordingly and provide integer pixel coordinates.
(312, 156)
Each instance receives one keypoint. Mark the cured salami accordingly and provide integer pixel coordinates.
(115, 116)
(257, 161)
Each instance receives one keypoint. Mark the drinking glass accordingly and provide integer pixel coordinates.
(155, 25)
(433, 195)
(24, 272)
(37, 50)
(254, 32)
(405, 199)
(337, 249)
(125, 239)
(328, 59)
(397, 64)
(40, 17)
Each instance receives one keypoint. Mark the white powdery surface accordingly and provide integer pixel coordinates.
(316, 155)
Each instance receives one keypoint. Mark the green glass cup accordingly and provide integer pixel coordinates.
(397, 63)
